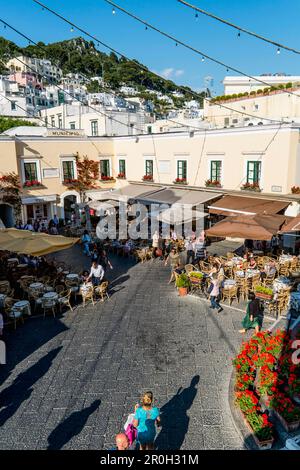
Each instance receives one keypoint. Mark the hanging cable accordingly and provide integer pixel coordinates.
(193, 49)
(142, 67)
(232, 25)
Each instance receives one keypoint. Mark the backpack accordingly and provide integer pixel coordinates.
(131, 433)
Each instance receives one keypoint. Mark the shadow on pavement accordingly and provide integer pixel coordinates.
(70, 427)
(174, 418)
(20, 390)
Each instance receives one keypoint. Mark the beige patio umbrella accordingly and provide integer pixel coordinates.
(180, 214)
(31, 243)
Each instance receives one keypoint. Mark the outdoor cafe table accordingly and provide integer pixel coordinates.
(72, 277)
(280, 283)
(13, 261)
(229, 283)
(50, 296)
(38, 286)
(2, 300)
(84, 288)
(248, 273)
(23, 306)
(285, 258)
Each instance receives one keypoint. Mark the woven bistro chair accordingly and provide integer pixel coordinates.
(49, 305)
(230, 293)
(87, 295)
(284, 269)
(268, 281)
(190, 268)
(65, 299)
(102, 290)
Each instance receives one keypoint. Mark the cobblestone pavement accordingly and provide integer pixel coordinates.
(70, 382)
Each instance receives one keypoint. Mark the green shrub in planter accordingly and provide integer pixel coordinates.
(183, 281)
(196, 274)
(264, 290)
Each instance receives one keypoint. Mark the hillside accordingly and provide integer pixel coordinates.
(80, 56)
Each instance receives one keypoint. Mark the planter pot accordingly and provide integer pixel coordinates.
(182, 291)
(213, 186)
(196, 280)
(252, 190)
(262, 445)
(261, 295)
(289, 427)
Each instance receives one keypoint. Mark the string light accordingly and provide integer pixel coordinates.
(239, 34)
(278, 50)
(146, 27)
(113, 11)
(202, 60)
(72, 29)
(153, 27)
(196, 14)
(176, 44)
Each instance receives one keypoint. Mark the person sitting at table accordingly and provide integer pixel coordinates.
(252, 263)
(96, 274)
(84, 276)
(269, 269)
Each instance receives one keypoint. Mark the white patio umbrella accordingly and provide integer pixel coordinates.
(180, 214)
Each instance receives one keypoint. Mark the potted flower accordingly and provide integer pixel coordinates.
(107, 178)
(295, 190)
(264, 293)
(251, 187)
(212, 184)
(121, 176)
(180, 181)
(196, 276)
(32, 183)
(148, 178)
(183, 284)
(286, 412)
(69, 181)
(261, 428)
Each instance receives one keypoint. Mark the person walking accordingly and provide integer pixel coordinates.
(86, 240)
(155, 242)
(145, 418)
(174, 259)
(251, 319)
(190, 253)
(215, 292)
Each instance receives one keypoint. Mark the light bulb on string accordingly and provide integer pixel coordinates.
(176, 44)
(4, 26)
(146, 27)
(278, 50)
(202, 60)
(72, 29)
(113, 11)
(196, 14)
(239, 34)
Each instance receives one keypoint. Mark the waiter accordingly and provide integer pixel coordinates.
(96, 273)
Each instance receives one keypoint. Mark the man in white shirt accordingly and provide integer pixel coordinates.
(96, 273)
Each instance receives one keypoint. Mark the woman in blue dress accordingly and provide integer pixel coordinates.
(145, 418)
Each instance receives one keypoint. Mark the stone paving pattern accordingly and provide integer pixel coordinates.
(70, 382)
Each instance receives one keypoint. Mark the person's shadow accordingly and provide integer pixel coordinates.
(20, 390)
(71, 426)
(174, 418)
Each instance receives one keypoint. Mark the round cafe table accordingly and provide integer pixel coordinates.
(2, 300)
(50, 296)
(37, 286)
(23, 306)
(72, 277)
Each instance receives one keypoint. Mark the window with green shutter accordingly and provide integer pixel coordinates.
(104, 168)
(253, 172)
(215, 170)
(122, 167)
(30, 171)
(149, 167)
(182, 169)
(68, 170)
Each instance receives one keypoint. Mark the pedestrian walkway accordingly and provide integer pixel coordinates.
(71, 382)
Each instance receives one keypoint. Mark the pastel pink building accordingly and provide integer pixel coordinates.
(26, 79)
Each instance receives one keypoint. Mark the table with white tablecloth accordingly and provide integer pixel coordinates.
(21, 307)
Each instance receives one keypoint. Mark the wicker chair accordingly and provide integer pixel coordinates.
(65, 299)
(102, 290)
(284, 269)
(189, 268)
(231, 293)
(88, 295)
(48, 305)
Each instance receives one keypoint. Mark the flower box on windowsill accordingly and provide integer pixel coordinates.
(107, 179)
(180, 181)
(121, 176)
(32, 184)
(251, 187)
(213, 184)
(148, 178)
(69, 181)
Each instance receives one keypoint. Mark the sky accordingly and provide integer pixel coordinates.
(275, 19)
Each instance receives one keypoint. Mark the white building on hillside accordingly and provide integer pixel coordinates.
(41, 67)
(242, 84)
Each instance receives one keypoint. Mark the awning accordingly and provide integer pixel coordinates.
(234, 205)
(131, 191)
(292, 226)
(39, 199)
(253, 227)
(179, 215)
(180, 196)
(31, 243)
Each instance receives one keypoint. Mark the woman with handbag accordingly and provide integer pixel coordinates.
(145, 418)
(214, 292)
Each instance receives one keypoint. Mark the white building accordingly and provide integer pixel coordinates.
(14, 101)
(128, 90)
(96, 120)
(242, 84)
